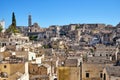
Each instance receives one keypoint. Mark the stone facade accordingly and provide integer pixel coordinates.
(111, 73)
(9, 71)
(2, 23)
(92, 71)
(38, 72)
(68, 73)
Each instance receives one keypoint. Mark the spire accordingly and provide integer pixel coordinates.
(29, 20)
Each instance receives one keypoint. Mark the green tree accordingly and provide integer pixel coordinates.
(12, 28)
(1, 28)
(77, 27)
(13, 20)
(33, 38)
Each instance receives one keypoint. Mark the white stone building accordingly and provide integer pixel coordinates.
(2, 23)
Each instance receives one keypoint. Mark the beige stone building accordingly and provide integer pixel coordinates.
(111, 73)
(68, 73)
(35, 28)
(102, 50)
(11, 71)
(91, 71)
(38, 72)
(88, 71)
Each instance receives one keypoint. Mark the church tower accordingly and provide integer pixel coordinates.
(29, 21)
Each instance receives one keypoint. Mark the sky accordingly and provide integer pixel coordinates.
(60, 12)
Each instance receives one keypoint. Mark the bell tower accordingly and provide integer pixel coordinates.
(29, 20)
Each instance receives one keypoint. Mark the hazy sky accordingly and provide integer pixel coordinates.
(60, 12)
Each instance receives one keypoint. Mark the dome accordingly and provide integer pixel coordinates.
(36, 25)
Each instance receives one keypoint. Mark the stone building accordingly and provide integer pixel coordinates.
(18, 39)
(68, 73)
(106, 51)
(106, 37)
(39, 72)
(92, 71)
(2, 23)
(111, 73)
(118, 30)
(72, 27)
(11, 71)
(34, 28)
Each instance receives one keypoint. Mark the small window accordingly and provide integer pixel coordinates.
(9, 43)
(5, 66)
(26, 41)
(100, 54)
(107, 55)
(30, 30)
(87, 75)
(32, 57)
(100, 75)
(55, 78)
(33, 70)
(110, 55)
(104, 77)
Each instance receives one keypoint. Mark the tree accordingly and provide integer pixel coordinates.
(1, 28)
(12, 28)
(13, 20)
(77, 27)
(33, 38)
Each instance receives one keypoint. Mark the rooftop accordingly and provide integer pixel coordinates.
(113, 70)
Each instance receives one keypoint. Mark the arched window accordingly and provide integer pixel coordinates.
(55, 78)
(104, 76)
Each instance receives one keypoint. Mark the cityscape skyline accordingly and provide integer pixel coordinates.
(62, 12)
(60, 40)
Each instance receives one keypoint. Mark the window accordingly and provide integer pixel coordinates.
(9, 43)
(107, 55)
(26, 41)
(5, 66)
(33, 70)
(32, 57)
(30, 30)
(104, 77)
(110, 55)
(87, 75)
(100, 75)
(55, 78)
